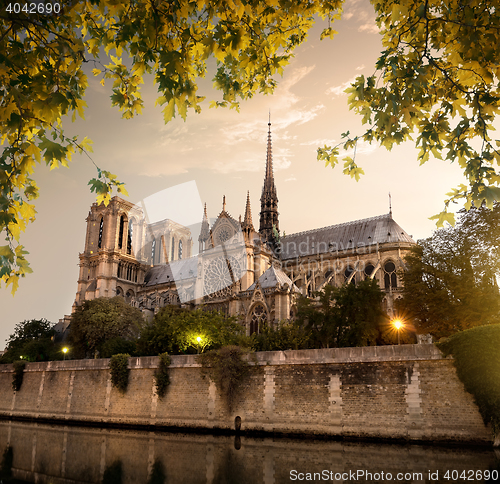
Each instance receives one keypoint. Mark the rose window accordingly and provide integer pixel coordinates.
(220, 274)
(223, 235)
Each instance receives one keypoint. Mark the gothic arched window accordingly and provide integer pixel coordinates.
(259, 316)
(120, 236)
(129, 237)
(390, 278)
(153, 251)
(173, 249)
(101, 227)
(369, 270)
(347, 274)
(180, 249)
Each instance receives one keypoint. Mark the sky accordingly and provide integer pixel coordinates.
(224, 153)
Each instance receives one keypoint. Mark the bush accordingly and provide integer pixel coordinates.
(288, 335)
(17, 377)
(116, 346)
(118, 366)
(162, 379)
(477, 359)
(226, 367)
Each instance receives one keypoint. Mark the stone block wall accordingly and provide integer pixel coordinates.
(407, 392)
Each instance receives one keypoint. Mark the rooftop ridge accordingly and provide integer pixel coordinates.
(352, 222)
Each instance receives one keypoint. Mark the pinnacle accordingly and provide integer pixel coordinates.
(247, 222)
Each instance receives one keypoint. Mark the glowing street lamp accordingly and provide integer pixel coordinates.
(65, 350)
(398, 324)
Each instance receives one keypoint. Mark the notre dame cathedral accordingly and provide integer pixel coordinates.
(255, 275)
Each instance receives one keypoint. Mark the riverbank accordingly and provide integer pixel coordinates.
(401, 393)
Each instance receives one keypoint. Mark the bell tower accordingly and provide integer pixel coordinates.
(111, 263)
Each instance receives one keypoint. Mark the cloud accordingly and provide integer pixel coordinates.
(360, 68)
(239, 141)
(369, 27)
(255, 163)
(319, 142)
(362, 13)
(292, 178)
(363, 148)
(339, 90)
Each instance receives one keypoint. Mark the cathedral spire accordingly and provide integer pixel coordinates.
(269, 223)
(269, 155)
(205, 231)
(247, 221)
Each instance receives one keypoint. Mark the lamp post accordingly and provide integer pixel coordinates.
(398, 324)
(64, 350)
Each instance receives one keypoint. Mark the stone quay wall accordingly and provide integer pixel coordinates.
(407, 392)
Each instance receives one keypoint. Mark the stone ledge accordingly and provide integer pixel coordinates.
(365, 354)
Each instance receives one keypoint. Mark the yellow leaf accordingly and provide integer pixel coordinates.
(121, 189)
(33, 150)
(14, 280)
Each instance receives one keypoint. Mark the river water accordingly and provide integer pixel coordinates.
(63, 455)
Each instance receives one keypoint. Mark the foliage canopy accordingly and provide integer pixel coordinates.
(436, 79)
(450, 282)
(476, 357)
(437, 83)
(42, 78)
(345, 316)
(98, 321)
(32, 340)
(175, 330)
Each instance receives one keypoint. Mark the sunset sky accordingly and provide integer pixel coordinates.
(224, 153)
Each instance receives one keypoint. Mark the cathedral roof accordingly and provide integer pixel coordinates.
(272, 277)
(174, 271)
(358, 233)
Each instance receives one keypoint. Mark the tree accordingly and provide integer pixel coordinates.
(175, 330)
(42, 80)
(288, 335)
(346, 316)
(450, 282)
(100, 320)
(475, 356)
(33, 341)
(437, 78)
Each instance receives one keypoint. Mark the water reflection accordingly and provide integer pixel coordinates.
(57, 455)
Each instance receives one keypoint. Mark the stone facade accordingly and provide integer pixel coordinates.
(255, 275)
